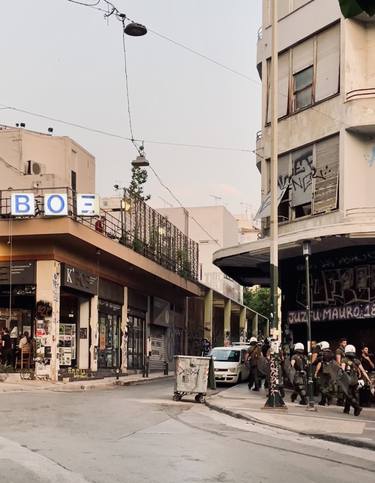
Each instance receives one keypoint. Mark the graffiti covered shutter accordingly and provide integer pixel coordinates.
(302, 162)
(326, 178)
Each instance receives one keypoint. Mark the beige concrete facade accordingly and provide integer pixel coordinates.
(217, 228)
(30, 160)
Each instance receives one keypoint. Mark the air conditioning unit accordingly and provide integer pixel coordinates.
(34, 168)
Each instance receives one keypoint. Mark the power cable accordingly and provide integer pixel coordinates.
(181, 205)
(119, 136)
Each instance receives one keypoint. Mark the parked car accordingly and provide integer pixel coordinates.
(229, 364)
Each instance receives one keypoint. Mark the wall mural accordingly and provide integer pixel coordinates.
(341, 288)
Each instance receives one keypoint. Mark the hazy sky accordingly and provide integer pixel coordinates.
(65, 61)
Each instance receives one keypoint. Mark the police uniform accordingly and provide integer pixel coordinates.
(340, 351)
(326, 383)
(299, 382)
(351, 367)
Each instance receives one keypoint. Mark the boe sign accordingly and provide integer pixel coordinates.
(55, 204)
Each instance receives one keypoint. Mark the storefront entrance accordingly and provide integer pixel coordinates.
(136, 340)
(109, 335)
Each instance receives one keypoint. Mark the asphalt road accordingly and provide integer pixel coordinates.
(138, 434)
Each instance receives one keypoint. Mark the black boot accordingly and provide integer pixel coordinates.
(322, 401)
(293, 397)
(357, 411)
(303, 401)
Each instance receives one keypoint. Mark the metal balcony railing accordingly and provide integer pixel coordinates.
(134, 224)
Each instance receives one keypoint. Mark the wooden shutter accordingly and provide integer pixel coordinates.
(283, 84)
(282, 8)
(303, 55)
(328, 63)
(326, 180)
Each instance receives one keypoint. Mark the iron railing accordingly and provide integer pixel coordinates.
(133, 224)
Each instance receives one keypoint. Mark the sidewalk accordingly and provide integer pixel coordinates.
(327, 423)
(24, 386)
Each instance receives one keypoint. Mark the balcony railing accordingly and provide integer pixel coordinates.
(134, 224)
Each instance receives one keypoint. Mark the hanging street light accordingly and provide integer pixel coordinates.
(135, 29)
(140, 162)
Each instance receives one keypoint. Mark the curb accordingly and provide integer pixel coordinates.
(106, 385)
(325, 437)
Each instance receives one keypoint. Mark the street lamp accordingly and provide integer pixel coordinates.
(135, 29)
(306, 249)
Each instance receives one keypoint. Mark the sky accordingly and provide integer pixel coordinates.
(65, 61)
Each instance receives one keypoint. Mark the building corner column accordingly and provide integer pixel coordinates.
(208, 315)
(243, 324)
(124, 332)
(48, 283)
(94, 331)
(227, 321)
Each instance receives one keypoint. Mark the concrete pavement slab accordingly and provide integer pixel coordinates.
(326, 423)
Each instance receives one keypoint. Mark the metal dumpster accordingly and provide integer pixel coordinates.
(192, 377)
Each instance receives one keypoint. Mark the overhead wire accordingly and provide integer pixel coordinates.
(120, 136)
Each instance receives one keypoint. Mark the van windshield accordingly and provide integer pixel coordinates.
(222, 355)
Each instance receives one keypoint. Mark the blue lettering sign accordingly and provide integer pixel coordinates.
(22, 204)
(56, 204)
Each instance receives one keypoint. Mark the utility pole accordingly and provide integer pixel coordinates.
(274, 397)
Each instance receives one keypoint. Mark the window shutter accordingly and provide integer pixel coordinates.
(302, 175)
(303, 55)
(326, 180)
(282, 8)
(299, 3)
(328, 63)
(283, 83)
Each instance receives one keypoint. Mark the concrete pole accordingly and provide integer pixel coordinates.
(208, 314)
(227, 321)
(274, 397)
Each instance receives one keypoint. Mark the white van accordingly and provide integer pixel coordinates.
(229, 364)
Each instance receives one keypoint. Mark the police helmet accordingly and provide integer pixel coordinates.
(350, 350)
(253, 339)
(299, 347)
(324, 345)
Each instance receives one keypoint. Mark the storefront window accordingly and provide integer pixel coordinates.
(109, 335)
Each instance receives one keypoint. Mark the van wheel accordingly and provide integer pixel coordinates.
(239, 380)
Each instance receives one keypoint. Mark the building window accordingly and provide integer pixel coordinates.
(308, 181)
(303, 88)
(309, 72)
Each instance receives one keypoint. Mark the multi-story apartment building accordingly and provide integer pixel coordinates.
(326, 120)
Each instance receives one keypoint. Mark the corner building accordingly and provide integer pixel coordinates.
(326, 100)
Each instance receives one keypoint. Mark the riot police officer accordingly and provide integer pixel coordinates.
(323, 373)
(299, 363)
(340, 354)
(354, 369)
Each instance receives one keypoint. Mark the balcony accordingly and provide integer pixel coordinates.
(135, 225)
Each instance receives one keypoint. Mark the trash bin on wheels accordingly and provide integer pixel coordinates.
(193, 377)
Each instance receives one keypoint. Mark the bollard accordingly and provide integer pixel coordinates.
(166, 368)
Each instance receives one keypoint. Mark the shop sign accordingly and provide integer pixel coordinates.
(77, 279)
(328, 314)
(22, 273)
(55, 204)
